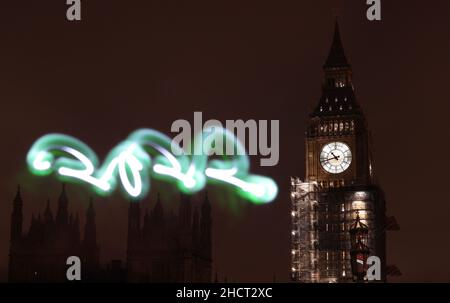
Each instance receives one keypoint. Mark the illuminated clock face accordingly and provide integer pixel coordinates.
(335, 157)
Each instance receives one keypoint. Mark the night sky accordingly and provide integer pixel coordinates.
(137, 64)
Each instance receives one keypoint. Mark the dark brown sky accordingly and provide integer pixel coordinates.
(148, 63)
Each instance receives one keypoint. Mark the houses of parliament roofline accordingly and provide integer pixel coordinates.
(164, 248)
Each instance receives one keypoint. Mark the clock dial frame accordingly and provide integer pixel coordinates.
(335, 157)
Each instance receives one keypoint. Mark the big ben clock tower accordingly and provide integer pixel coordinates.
(339, 187)
(337, 145)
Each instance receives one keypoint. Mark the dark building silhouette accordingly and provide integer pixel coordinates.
(169, 248)
(165, 248)
(40, 255)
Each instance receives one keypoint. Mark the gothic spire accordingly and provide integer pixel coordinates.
(89, 246)
(90, 230)
(338, 97)
(146, 229)
(206, 228)
(63, 195)
(336, 57)
(185, 211)
(195, 227)
(146, 217)
(62, 214)
(134, 220)
(48, 216)
(206, 206)
(18, 198)
(158, 210)
(76, 228)
(90, 213)
(16, 218)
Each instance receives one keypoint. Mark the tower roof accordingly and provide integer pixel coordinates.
(336, 57)
(338, 96)
(18, 198)
(63, 195)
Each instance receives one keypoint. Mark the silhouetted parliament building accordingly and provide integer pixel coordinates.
(161, 248)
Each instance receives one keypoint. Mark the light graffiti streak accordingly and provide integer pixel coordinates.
(144, 154)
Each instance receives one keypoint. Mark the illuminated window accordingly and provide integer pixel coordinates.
(342, 207)
(321, 109)
(358, 205)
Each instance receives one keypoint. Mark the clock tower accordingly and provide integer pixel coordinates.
(337, 144)
(338, 187)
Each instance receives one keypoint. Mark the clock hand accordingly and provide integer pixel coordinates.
(334, 156)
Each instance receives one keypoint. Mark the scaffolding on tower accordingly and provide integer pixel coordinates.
(305, 253)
